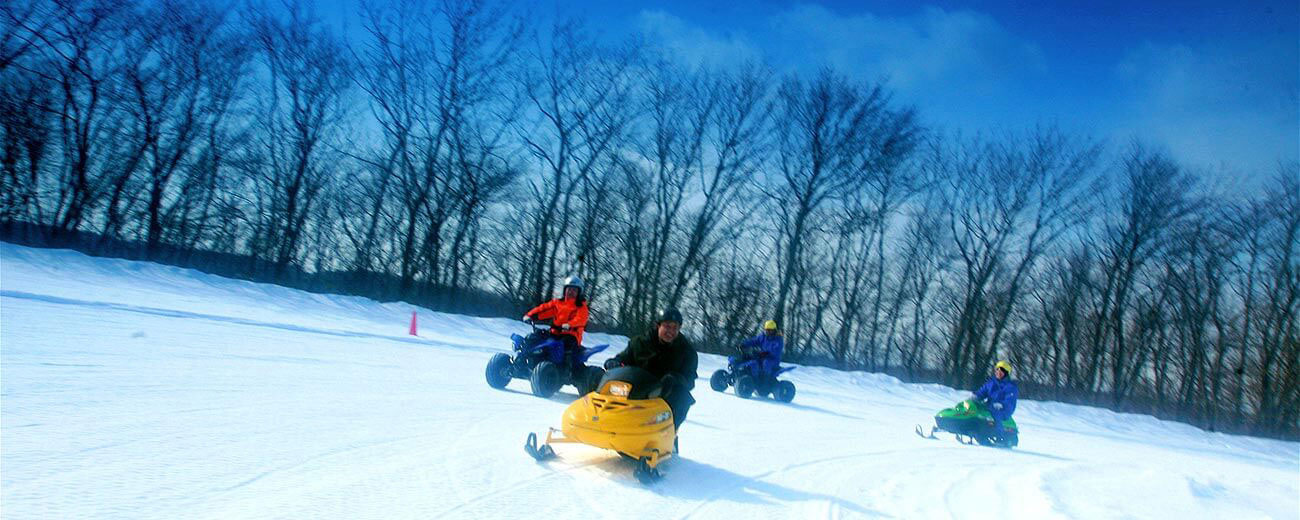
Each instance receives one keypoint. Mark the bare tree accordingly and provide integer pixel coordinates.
(302, 107)
(1006, 206)
(437, 78)
(734, 149)
(730, 299)
(633, 237)
(831, 135)
(924, 262)
(225, 62)
(82, 46)
(180, 79)
(25, 142)
(25, 107)
(1064, 302)
(579, 93)
(1277, 334)
(1154, 196)
(22, 24)
(678, 107)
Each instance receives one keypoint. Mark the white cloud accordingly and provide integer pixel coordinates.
(1221, 106)
(1227, 105)
(931, 51)
(694, 45)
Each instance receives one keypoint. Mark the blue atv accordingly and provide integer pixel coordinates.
(540, 358)
(745, 372)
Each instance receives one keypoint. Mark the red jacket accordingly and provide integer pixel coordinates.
(561, 312)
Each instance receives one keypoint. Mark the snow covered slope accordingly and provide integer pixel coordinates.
(133, 390)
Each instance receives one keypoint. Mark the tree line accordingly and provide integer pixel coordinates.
(460, 148)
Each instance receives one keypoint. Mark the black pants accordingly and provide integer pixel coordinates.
(680, 403)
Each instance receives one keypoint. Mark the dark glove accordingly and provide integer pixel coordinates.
(670, 381)
(612, 363)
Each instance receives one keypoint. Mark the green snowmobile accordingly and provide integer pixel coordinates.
(971, 423)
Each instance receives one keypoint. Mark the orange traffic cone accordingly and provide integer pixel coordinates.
(413, 326)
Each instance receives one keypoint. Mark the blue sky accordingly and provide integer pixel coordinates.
(1216, 84)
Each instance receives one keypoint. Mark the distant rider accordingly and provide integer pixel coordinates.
(765, 347)
(568, 317)
(999, 393)
(666, 353)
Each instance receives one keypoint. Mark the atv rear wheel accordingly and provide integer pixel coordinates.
(498, 371)
(718, 382)
(545, 379)
(784, 391)
(745, 387)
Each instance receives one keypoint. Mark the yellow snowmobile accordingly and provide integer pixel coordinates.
(625, 414)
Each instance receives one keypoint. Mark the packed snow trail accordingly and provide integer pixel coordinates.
(134, 390)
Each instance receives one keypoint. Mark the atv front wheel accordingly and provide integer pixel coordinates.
(718, 382)
(545, 379)
(745, 387)
(498, 371)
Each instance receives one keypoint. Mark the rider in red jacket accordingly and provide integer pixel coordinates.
(568, 314)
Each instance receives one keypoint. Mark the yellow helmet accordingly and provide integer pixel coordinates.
(1004, 365)
(769, 325)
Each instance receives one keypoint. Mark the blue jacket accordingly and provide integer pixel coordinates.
(769, 350)
(1002, 391)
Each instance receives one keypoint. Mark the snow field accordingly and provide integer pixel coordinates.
(133, 390)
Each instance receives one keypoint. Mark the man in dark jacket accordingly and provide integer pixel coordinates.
(666, 353)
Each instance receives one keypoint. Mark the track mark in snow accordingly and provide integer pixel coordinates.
(515, 487)
(171, 313)
(742, 481)
(306, 461)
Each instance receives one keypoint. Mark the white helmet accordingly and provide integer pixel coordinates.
(574, 281)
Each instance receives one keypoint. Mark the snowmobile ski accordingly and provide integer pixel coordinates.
(540, 454)
(920, 431)
(646, 473)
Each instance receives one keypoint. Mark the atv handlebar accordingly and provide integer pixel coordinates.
(755, 351)
(542, 324)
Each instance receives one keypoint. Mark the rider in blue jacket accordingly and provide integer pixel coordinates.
(1000, 394)
(766, 347)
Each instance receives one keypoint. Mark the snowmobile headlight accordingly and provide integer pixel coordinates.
(618, 388)
(659, 417)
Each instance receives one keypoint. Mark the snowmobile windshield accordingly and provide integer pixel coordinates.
(644, 384)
